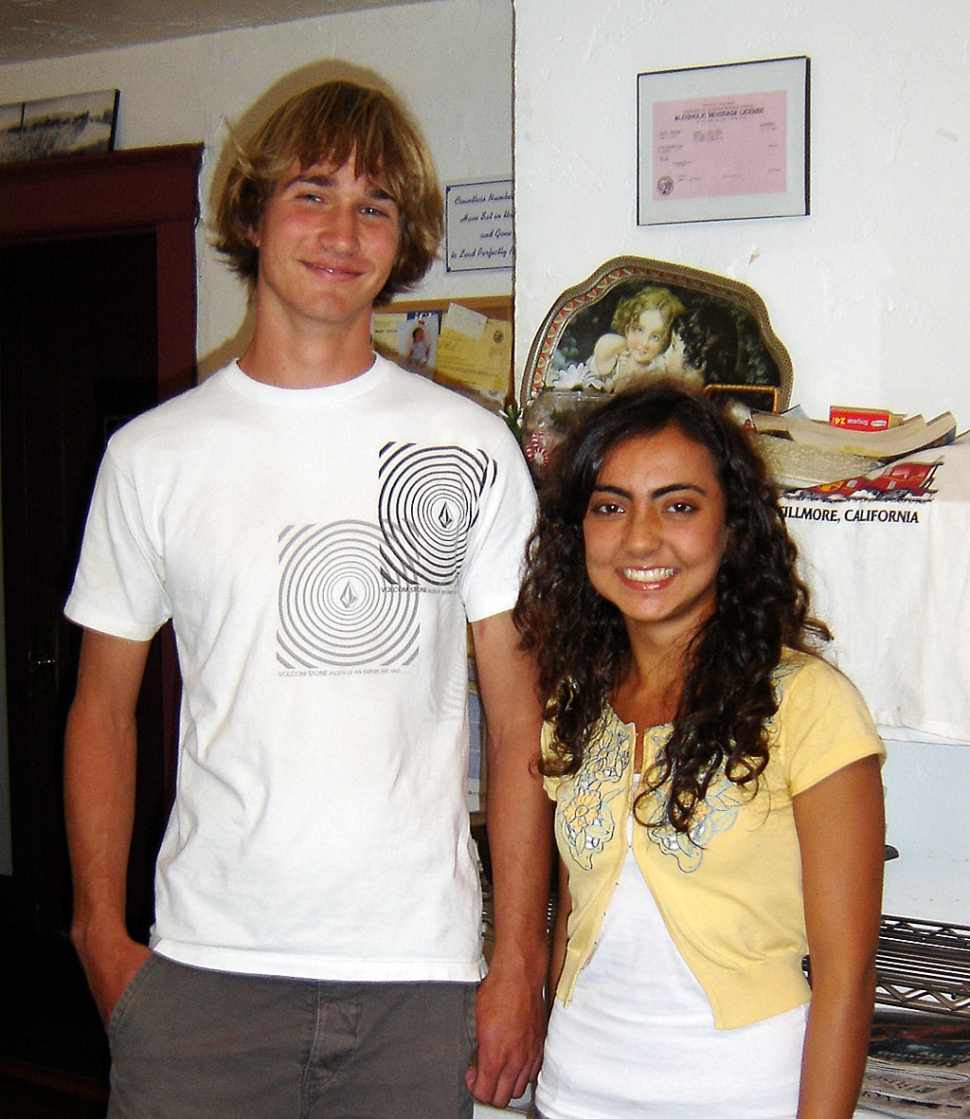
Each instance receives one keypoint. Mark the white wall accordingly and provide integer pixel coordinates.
(926, 819)
(450, 61)
(868, 293)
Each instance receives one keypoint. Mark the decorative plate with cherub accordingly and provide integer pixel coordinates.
(635, 320)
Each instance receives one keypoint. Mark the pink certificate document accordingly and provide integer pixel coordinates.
(713, 147)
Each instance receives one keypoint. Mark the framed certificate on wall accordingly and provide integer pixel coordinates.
(723, 142)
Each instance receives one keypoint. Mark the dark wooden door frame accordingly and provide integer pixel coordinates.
(144, 190)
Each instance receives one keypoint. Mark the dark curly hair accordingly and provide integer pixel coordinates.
(580, 639)
(334, 121)
(710, 336)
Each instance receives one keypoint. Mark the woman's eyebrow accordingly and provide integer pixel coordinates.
(605, 488)
(677, 487)
(662, 491)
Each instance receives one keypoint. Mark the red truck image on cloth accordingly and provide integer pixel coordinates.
(899, 480)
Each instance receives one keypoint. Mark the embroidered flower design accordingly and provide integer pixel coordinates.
(584, 820)
(582, 824)
(715, 814)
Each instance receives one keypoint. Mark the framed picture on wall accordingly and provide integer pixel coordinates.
(79, 124)
(723, 142)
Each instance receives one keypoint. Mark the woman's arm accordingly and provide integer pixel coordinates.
(841, 832)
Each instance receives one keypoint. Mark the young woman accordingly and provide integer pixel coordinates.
(718, 796)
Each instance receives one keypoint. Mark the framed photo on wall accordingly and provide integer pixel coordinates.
(78, 124)
(723, 142)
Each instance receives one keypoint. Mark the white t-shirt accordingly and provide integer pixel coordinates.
(318, 552)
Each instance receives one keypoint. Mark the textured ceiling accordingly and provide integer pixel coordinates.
(33, 29)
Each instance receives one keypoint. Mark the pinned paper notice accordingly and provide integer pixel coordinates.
(463, 320)
(474, 352)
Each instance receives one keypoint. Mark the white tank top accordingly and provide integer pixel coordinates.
(638, 1040)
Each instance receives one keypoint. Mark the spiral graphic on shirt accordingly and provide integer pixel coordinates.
(429, 500)
(335, 609)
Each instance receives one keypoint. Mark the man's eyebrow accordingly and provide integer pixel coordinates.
(317, 180)
(324, 181)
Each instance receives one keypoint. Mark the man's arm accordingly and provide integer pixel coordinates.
(99, 796)
(842, 838)
(510, 1009)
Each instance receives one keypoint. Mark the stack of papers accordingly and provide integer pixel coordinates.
(919, 1065)
(913, 434)
(803, 452)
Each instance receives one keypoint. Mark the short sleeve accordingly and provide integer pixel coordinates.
(493, 567)
(822, 723)
(550, 784)
(119, 584)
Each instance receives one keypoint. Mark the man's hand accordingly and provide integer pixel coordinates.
(100, 752)
(110, 960)
(511, 1017)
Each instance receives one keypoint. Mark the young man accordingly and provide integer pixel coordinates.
(318, 525)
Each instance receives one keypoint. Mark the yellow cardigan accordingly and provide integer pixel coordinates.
(731, 892)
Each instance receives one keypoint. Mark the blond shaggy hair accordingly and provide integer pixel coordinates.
(333, 122)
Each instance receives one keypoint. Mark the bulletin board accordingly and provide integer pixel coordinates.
(465, 344)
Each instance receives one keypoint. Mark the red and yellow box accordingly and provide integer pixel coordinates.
(862, 419)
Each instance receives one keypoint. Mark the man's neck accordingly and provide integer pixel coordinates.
(304, 360)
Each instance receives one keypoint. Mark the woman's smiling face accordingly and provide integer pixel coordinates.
(655, 533)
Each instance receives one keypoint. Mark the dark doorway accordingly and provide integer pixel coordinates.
(78, 357)
(97, 323)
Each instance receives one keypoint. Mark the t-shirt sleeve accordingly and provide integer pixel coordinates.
(119, 584)
(550, 784)
(493, 565)
(824, 725)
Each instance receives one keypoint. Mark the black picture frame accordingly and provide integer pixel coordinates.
(719, 143)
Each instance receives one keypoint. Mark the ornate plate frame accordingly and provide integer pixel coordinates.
(605, 287)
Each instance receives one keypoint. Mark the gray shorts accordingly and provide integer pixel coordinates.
(189, 1043)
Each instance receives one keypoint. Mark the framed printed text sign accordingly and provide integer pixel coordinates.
(723, 142)
(479, 233)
